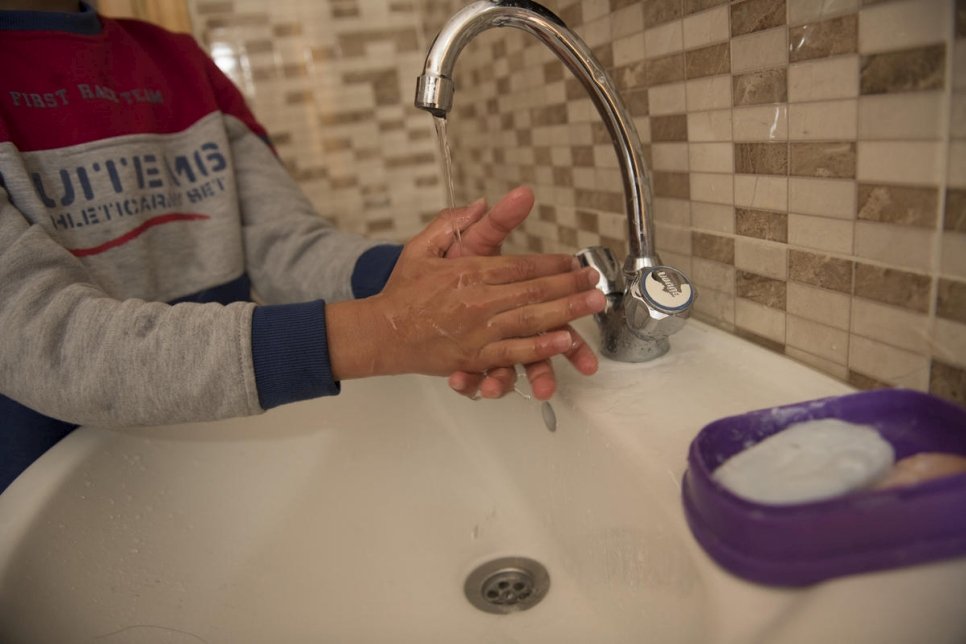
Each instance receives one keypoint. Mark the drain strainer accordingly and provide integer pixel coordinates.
(507, 585)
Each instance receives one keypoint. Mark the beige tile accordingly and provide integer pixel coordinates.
(626, 21)
(761, 191)
(906, 116)
(820, 233)
(710, 93)
(716, 307)
(712, 188)
(670, 156)
(706, 27)
(667, 99)
(710, 126)
(825, 197)
(672, 239)
(824, 79)
(888, 364)
(761, 257)
(760, 320)
(818, 339)
(629, 49)
(821, 364)
(712, 217)
(802, 11)
(759, 50)
(895, 326)
(765, 123)
(819, 304)
(822, 120)
(902, 162)
(901, 246)
(711, 157)
(902, 25)
(949, 341)
(670, 211)
(664, 39)
(713, 275)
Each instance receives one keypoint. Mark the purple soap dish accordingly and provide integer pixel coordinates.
(796, 545)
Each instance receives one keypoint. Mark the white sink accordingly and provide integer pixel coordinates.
(357, 519)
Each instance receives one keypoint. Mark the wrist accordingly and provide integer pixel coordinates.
(360, 340)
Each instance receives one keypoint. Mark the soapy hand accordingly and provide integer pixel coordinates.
(482, 234)
(437, 315)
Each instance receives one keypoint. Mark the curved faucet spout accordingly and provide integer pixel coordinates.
(434, 93)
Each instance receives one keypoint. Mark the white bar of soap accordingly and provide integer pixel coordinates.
(808, 461)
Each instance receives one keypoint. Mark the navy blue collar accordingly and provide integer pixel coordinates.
(84, 21)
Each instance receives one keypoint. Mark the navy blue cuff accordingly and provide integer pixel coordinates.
(291, 353)
(373, 269)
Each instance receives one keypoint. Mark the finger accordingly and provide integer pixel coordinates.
(581, 356)
(544, 289)
(506, 353)
(486, 236)
(498, 382)
(465, 384)
(519, 268)
(543, 382)
(438, 236)
(539, 318)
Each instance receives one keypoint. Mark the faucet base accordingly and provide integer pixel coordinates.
(618, 343)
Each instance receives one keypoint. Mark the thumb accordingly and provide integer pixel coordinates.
(436, 238)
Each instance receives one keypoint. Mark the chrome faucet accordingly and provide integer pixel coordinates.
(646, 301)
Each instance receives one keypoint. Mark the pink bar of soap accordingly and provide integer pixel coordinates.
(922, 467)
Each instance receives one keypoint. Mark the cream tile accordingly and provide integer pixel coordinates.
(673, 239)
(670, 211)
(802, 11)
(903, 25)
(888, 364)
(904, 116)
(706, 27)
(595, 32)
(679, 261)
(713, 275)
(825, 197)
(626, 21)
(953, 261)
(664, 39)
(761, 320)
(712, 217)
(824, 79)
(899, 246)
(949, 342)
(818, 339)
(900, 162)
(895, 326)
(822, 233)
(710, 126)
(711, 93)
(716, 307)
(759, 50)
(761, 191)
(614, 225)
(761, 257)
(821, 364)
(670, 156)
(628, 49)
(712, 188)
(711, 157)
(667, 99)
(825, 120)
(765, 123)
(585, 178)
(819, 304)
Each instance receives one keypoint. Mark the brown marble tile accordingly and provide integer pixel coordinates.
(547, 213)
(906, 205)
(833, 159)
(763, 290)
(758, 88)
(756, 15)
(761, 158)
(657, 12)
(951, 300)
(572, 15)
(909, 70)
(862, 381)
(280, 31)
(549, 115)
(620, 4)
(947, 381)
(599, 200)
(626, 77)
(708, 61)
(892, 286)
(673, 127)
(713, 247)
(588, 221)
(582, 155)
(298, 97)
(955, 215)
(820, 270)
(215, 7)
(667, 69)
(637, 102)
(567, 235)
(379, 225)
(961, 18)
(676, 185)
(823, 39)
(761, 224)
(694, 6)
(563, 177)
(260, 46)
(553, 71)
(768, 343)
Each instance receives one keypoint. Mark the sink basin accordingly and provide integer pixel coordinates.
(358, 519)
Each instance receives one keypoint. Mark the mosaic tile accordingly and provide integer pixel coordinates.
(904, 71)
(756, 15)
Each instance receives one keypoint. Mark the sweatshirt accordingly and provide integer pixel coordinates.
(140, 205)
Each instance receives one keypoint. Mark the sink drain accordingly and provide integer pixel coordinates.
(507, 585)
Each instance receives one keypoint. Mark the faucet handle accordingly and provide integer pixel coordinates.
(602, 259)
(658, 301)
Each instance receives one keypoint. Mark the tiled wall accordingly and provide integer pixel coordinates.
(333, 81)
(808, 156)
(808, 162)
